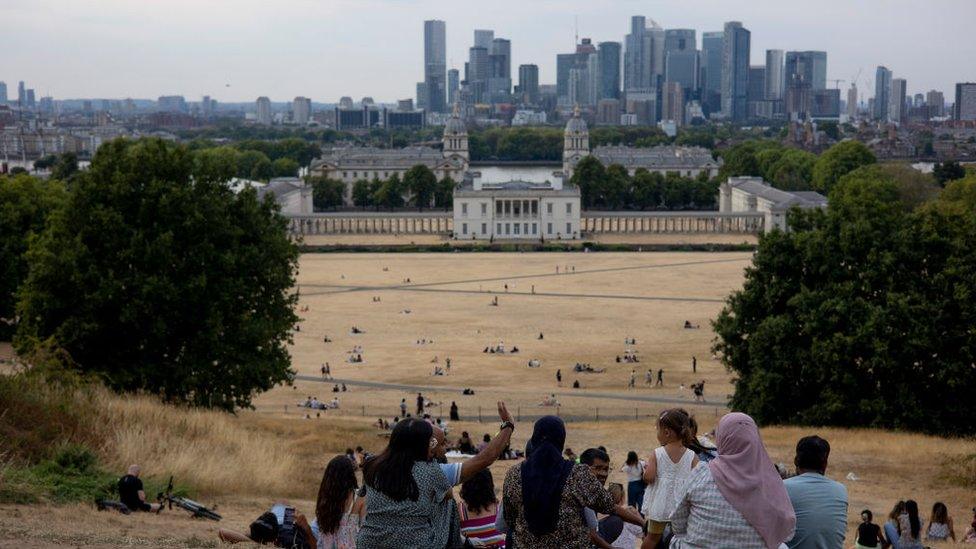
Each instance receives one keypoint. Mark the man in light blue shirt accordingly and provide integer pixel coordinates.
(820, 503)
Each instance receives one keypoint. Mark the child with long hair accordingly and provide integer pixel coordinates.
(338, 512)
(891, 525)
(478, 510)
(667, 471)
(940, 524)
(910, 527)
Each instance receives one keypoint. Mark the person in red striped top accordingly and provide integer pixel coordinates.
(478, 509)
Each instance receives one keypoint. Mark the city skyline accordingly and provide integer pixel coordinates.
(328, 51)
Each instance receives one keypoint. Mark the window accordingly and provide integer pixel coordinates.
(535, 208)
(569, 208)
(508, 228)
(499, 229)
(548, 228)
(464, 209)
(525, 228)
(464, 228)
(549, 209)
(569, 229)
(534, 229)
(355, 175)
(516, 208)
(498, 208)
(484, 208)
(345, 174)
(508, 207)
(516, 227)
(484, 228)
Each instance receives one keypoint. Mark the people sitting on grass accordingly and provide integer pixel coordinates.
(910, 527)
(485, 441)
(604, 532)
(549, 400)
(356, 330)
(690, 326)
(820, 503)
(438, 371)
(534, 363)
(576, 384)
(478, 510)
(869, 534)
(465, 445)
(970, 536)
(587, 369)
(666, 472)
(940, 524)
(132, 494)
(281, 526)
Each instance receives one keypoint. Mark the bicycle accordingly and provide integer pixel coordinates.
(196, 510)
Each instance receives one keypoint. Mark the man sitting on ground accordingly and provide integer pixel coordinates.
(820, 503)
(132, 494)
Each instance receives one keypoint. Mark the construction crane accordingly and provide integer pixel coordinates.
(837, 82)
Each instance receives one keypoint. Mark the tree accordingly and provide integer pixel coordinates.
(647, 187)
(26, 204)
(247, 161)
(422, 183)
(361, 193)
(444, 195)
(263, 170)
(742, 159)
(45, 162)
(838, 161)
(616, 187)
(914, 187)
(792, 171)
(161, 282)
(944, 172)
(326, 193)
(285, 167)
(588, 176)
(216, 164)
(390, 193)
(65, 167)
(860, 315)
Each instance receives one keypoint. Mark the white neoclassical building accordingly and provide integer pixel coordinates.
(752, 194)
(517, 210)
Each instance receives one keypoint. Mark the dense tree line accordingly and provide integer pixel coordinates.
(794, 169)
(148, 271)
(611, 187)
(862, 314)
(419, 188)
(254, 159)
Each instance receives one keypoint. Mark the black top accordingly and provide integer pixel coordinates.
(129, 487)
(868, 534)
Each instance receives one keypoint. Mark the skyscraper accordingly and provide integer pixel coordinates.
(673, 103)
(609, 59)
(757, 83)
(735, 70)
(965, 101)
(500, 70)
(3, 93)
(711, 65)
(936, 103)
(263, 107)
(564, 63)
(453, 83)
(478, 70)
(682, 67)
(30, 98)
(643, 55)
(435, 64)
(852, 101)
(21, 94)
(301, 110)
(774, 75)
(680, 40)
(528, 78)
(483, 38)
(808, 66)
(882, 92)
(896, 103)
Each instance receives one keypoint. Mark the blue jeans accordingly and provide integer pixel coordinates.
(635, 493)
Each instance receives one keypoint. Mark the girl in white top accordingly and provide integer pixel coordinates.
(667, 472)
(634, 467)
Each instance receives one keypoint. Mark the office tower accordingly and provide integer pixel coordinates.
(422, 95)
(564, 63)
(919, 100)
(673, 103)
(21, 94)
(852, 101)
(171, 103)
(500, 70)
(936, 103)
(810, 66)
(643, 55)
(680, 40)
(46, 104)
(965, 101)
(711, 70)
(3, 93)
(608, 111)
(735, 70)
(528, 78)
(483, 38)
(774, 75)
(263, 106)
(301, 110)
(756, 90)
(882, 92)
(30, 98)
(435, 64)
(453, 84)
(478, 71)
(609, 59)
(681, 66)
(896, 102)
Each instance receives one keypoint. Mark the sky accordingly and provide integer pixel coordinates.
(237, 50)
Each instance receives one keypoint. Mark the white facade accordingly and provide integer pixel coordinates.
(516, 210)
(752, 194)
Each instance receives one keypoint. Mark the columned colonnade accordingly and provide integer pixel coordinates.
(352, 224)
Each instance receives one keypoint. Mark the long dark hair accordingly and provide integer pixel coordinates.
(682, 424)
(391, 472)
(338, 481)
(940, 514)
(912, 509)
(898, 509)
(632, 458)
(478, 492)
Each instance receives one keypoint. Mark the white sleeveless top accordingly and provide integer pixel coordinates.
(661, 497)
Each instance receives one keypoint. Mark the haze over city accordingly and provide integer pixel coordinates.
(238, 50)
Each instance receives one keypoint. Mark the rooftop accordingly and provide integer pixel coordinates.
(781, 199)
(662, 156)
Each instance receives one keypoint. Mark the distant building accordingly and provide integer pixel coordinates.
(171, 103)
(825, 104)
(3, 93)
(263, 108)
(608, 112)
(852, 101)
(896, 102)
(453, 85)
(752, 194)
(882, 93)
(435, 65)
(711, 71)
(609, 65)
(735, 70)
(528, 86)
(291, 193)
(301, 110)
(517, 210)
(682, 67)
(808, 66)
(673, 103)
(935, 101)
(775, 81)
(965, 101)
(364, 117)
(524, 117)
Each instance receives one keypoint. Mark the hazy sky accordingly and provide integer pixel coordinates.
(325, 49)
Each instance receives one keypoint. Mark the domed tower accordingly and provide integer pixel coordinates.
(576, 142)
(456, 138)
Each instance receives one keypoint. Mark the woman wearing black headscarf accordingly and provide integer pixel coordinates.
(543, 499)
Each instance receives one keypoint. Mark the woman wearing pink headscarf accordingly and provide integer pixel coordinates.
(737, 500)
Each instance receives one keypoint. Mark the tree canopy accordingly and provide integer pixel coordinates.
(838, 161)
(163, 281)
(861, 315)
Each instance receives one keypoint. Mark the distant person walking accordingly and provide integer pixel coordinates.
(559, 378)
(694, 365)
(454, 412)
(660, 378)
(633, 379)
(420, 404)
(403, 407)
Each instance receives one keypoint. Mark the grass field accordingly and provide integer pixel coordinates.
(243, 463)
